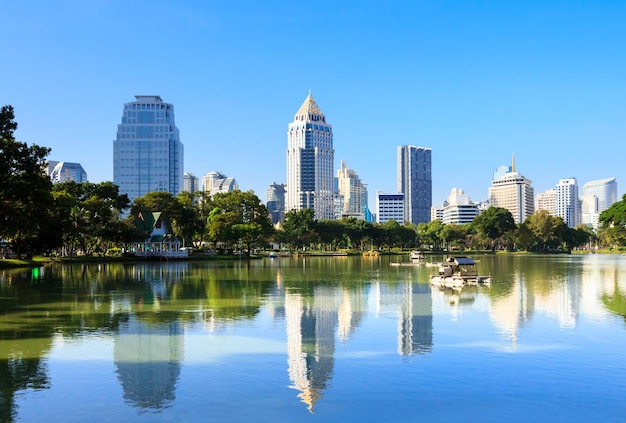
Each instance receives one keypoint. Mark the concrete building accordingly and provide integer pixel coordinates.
(66, 171)
(275, 202)
(567, 201)
(515, 193)
(414, 180)
(352, 192)
(191, 182)
(310, 158)
(546, 201)
(147, 153)
(597, 196)
(459, 209)
(214, 182)
(390, 207)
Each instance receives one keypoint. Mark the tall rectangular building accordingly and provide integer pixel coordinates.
(515, 193)
(310, 158)
(567, 202)
(147, 153)
(352, 191)
(415, 182)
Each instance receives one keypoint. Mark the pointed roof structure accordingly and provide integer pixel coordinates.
(309, 107)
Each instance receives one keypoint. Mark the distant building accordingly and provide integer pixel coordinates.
(275, 202)
(390, 207)
(567, 201)
(352, 191)
(310, 158)
(147, 153)
(515, 193)
(597, 196)
(459, 209)
(436, 213)
(546, 201)
(214, 182)
(66, 171)
(414, 180)
(190, 182)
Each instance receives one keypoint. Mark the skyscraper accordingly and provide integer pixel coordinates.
(515, 193)
(415, 182)
(567, 202)
(190, 182)
(214, 182)
(597, 196)
(147, 153)
(275, 202)
(353, 192)
(310, 158)
(65, 171)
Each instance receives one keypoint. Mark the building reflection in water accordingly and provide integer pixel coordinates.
(311, 323)
(148, 350)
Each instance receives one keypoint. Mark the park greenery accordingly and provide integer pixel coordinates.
(94, 218)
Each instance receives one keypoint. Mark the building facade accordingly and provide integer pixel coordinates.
(190, 182)
(567, 201)
(390, 207)
(515, 193)
(66, 171)
(214, 182)
(352, 192)
(459, 209)
(546, 201)
(147, 153)
(597, 196)
(275, 202)
(310, 158)
(414, 180)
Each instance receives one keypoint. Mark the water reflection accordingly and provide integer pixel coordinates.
(148, 309)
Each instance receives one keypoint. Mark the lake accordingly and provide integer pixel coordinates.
(315, 339)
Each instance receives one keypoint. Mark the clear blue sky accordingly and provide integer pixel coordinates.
(476, 81)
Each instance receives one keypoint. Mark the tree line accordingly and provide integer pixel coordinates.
(37, 217)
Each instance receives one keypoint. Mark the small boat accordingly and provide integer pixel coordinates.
(456, 272)
(273, 255)
(417, 255)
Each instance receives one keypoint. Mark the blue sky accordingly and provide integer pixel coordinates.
(475, 81)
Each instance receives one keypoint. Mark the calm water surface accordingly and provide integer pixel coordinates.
(315, 339)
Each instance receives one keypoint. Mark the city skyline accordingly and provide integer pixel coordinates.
(473, 81)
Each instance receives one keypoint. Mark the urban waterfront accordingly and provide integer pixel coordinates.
(314, 339)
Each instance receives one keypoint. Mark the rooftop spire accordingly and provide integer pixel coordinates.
(309, 107)
(513, 163)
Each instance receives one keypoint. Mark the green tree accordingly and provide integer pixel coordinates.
(240, 217)
(613, 222)
(299, 228)
(493, 224)
(25, 189)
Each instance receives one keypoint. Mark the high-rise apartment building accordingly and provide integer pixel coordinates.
(190, 182)
(597, 196)
(275, 202)
(390, 207)
(310, 158)
(567, 201)
(546, 201)
(147, 153)
(415, 182)
(66, 171)
(352, 191)
(515, 193)
(214, 182)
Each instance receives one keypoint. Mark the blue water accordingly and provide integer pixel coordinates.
(327, 340)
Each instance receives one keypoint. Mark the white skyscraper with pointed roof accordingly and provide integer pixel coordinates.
(310, 158)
